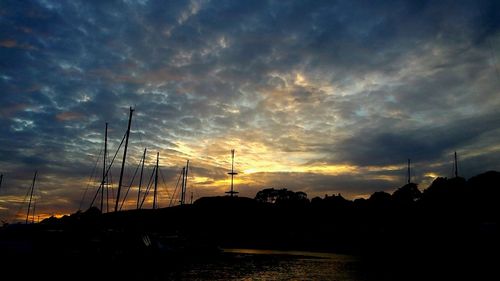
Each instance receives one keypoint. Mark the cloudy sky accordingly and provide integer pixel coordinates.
(319, 96)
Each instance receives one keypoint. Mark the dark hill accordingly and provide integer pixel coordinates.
(449, 222)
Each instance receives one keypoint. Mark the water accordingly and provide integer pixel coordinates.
(250, 264)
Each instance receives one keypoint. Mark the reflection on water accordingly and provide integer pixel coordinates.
(250, 264)
(292, 253)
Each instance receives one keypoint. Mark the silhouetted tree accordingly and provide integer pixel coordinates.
(380, 197)
(336, 201)
(483, 192)
(359, 201)
(280, 196)
(406, 194)
(443, 192)
(486, 186)
(316, 200)
(301, 195)
(268, 195)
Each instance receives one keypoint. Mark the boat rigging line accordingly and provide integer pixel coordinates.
(184, 183)
(107, 171)
(103, 181)
(124, 159)
(156, 181)
(148, 187)
(130, 185)
(140, 179)
(90, 180)
(175, 190)
(31, 196)
(164, 182)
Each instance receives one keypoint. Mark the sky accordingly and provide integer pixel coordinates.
(324, 97)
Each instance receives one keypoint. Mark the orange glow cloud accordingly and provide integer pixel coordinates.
(8, 43)
(69, 116)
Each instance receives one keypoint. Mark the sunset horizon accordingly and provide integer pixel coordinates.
(251, 169)
(319, 97)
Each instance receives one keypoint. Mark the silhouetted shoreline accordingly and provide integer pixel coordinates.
(452, 223)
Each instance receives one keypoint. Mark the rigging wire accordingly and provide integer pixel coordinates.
(90, 181)
(107, 170)
(148, 188)
(164, 183)
(176, 186)
(107, 195)
(111, 186)
(34, 208)
(130, 185)
(22, 204)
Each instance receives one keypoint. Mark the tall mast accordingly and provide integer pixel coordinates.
(182, 184)
(123, 161)
(232, 173)
(31, 196)
(107, 198)
(156, 180)
(103, 182)
(456, 165)
(185, 183)
(1, 179)
(140, 179)
(409, 175)
(34, 210)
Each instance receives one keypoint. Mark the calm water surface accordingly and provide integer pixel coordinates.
(250, 264)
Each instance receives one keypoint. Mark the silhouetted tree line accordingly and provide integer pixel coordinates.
(451, 227)
(281, 196)
(282, 218)
(480, 193)
(451, 218)
(450, 208)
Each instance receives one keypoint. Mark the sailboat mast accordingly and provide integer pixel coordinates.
(103, 182)
(156, 180)
(123, 161)
(185, 184)
(409, 175)
(31, 196)
(182, 184)
(1, 179)
(456, 165)
(34, 210)
(140, 179)
(232, 172)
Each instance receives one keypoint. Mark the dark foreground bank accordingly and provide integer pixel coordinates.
(448, 231)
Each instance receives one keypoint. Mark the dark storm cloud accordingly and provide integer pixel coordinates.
(383, 146)
(367, 83)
